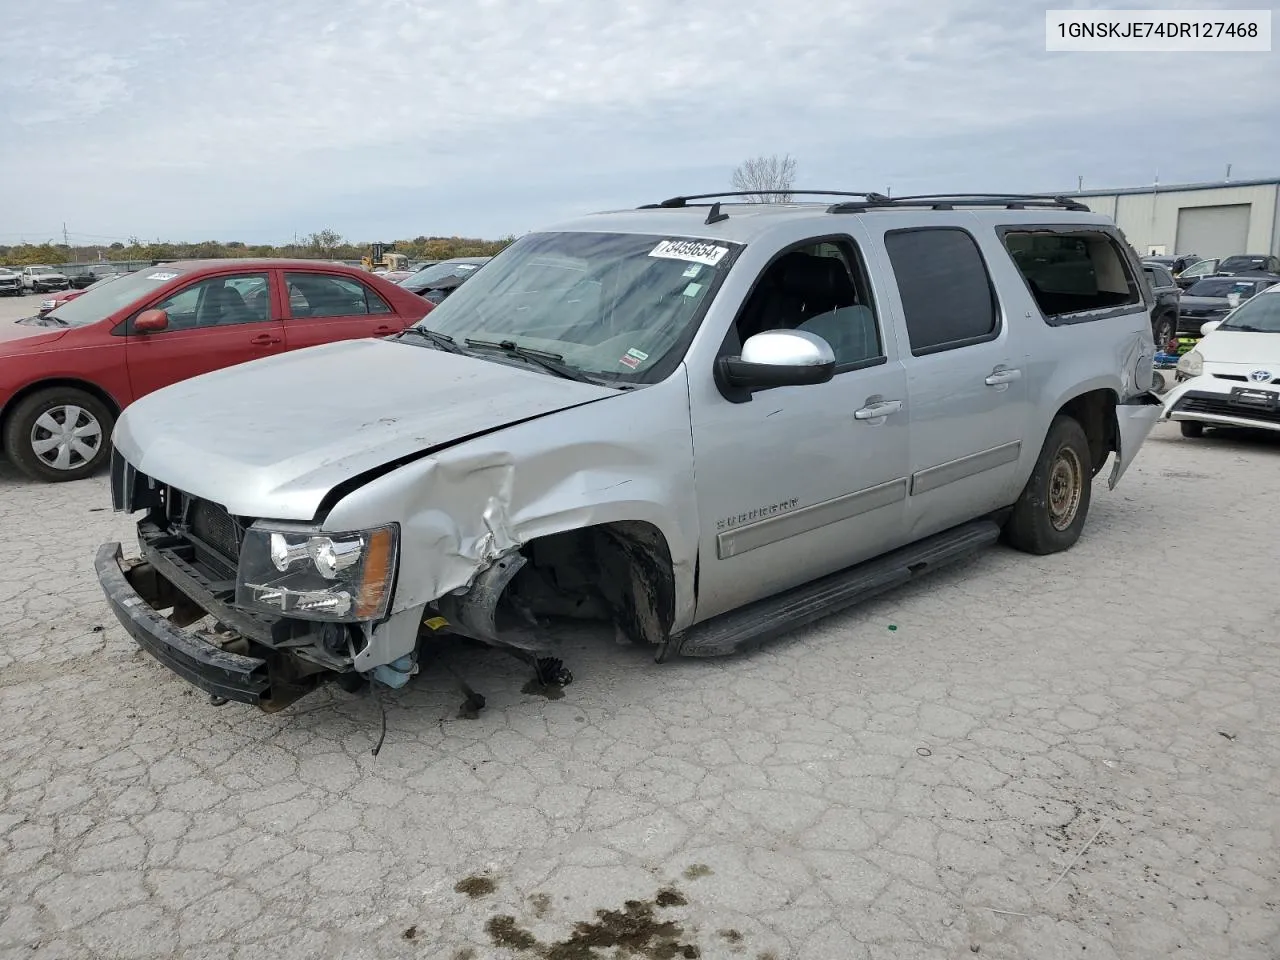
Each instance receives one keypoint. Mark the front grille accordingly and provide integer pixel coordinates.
(213, 525)
(1221, 407)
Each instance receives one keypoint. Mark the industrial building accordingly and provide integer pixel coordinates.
(1211, 219)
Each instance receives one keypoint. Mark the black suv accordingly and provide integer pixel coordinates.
(1164, 315)
(1249, 263)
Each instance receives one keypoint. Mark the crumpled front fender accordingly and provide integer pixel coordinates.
(466, 508)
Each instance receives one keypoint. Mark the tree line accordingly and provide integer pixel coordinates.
(764, 179)
(323, 244)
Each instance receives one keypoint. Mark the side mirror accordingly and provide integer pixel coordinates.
(780, 358)
(151, 321)
(1209, 327)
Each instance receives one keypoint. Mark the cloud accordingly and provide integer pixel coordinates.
(193, 118)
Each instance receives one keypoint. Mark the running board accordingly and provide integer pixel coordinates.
(770, 618)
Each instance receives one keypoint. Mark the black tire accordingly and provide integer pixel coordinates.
(1052, 509)
(1163, 330)
(1191, 429)
(24, 429)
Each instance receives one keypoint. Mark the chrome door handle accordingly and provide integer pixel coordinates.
(1001, 375)
(874, 411)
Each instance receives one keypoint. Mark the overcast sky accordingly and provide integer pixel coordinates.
(233, 120)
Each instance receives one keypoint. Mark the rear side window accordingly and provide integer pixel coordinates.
(1075, 273)
(316, 295)
(947, 297)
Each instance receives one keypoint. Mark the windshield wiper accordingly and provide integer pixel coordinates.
(551, 362)
(1243, 328)
(441, 340)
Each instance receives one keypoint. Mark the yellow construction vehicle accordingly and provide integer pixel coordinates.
(383, 259)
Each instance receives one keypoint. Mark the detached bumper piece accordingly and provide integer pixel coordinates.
(218, 672)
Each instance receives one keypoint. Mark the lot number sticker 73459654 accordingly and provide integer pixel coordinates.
(695, 251)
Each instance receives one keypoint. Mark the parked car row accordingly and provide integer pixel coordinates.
(43, 279)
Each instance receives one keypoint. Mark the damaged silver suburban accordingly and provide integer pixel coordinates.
(703, 422)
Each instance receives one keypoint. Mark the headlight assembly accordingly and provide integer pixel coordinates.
(1191, 363)
(298, 572)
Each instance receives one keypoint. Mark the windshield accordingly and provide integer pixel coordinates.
(612, 305)
(102, 299)
(450, 272)
(1259, 315)
(1224, 286)
(42, 269)
(1241, 263)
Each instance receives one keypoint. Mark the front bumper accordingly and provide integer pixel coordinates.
(1226, 403)
(219, 672)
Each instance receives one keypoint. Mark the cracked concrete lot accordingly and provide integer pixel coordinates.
(1070, 756)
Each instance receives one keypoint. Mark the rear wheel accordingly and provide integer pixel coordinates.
(57, 434)
(1191, 429)
(1162, 331)
(1051, 512)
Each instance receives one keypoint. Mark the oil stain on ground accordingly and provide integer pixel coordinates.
(475, 887)
(633, 931)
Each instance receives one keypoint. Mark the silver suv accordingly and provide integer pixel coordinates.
(705, 423)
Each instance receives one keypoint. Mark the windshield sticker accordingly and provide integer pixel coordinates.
(692, 289)
(693, 270)
(633, 358)
(695, 251)
(162, 275)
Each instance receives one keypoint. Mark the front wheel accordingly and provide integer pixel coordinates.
(1191, 429)
(58, 434)
(1162, 331)
(1051, 512)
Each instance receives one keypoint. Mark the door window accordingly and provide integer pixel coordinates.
(219, 302)
(948, 300)
(317, 295)
(819, 287)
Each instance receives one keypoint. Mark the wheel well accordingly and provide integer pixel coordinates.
(617, 571)
(1095, 411)
(36, 387)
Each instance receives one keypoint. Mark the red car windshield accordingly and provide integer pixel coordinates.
(103, 299)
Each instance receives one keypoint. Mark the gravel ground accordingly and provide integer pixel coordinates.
(1070, 756)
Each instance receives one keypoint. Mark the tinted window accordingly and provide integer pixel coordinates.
(1243, 263)
(1161, 277)
(313, 295)
(947, 297)
(217, 302)
(450, 273)
(1225, 286)
(1073, 272)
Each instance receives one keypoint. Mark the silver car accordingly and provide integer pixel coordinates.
(703, 423)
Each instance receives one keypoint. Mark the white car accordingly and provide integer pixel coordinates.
(1232, 377)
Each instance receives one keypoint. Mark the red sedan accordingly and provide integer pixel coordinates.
(65, 377)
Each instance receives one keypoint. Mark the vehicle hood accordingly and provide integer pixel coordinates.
(271, 437)
(18, 334)
(1254, 350)
(1195, 306)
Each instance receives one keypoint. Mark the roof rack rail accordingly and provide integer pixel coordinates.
(949, 201)
(676, 202)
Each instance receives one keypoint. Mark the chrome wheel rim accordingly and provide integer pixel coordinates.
(1066, 488)
(66, 437)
